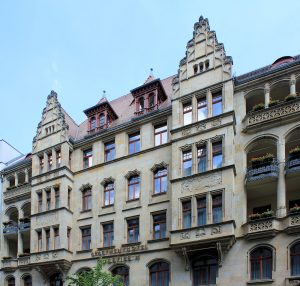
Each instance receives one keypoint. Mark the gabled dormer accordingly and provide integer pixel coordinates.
(100, 116)
(149, 96)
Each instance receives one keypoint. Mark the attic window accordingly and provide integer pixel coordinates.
(201, 67)
(141, 104)
(207, 64)
(93, 123)
(102, 120)
(195, 69)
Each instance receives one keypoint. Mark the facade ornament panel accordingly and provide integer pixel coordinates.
(85, 186)
(132, 174)
(159, 166)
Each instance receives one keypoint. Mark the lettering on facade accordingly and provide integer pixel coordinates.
(118, 251)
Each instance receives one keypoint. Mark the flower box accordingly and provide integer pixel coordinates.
(262, 161)
(258, 106)
(273, 102)
(295, 209)
(295, 152)
(265, 214)
(290, 97)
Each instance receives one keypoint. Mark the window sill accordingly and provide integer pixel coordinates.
(133, 200)
(131, 244)
(159, 194)
(261, 281)
(83, 251)
(158, 240)
(107, 206)
(85, 211)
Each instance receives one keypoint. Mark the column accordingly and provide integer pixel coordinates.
(293, 85)
(209, 155)
(267, 94)
(16, 179)
(194, 211)
(26, 176)
(281, 188)
(54, 164)
(208, 208)
(20, 243)
(194, 159)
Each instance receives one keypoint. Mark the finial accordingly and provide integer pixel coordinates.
(151, 72)
(104, 94)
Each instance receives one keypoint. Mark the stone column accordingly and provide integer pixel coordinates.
(26, 176)
(267, 94)
(293, 85)
(281, 188)
(16, 179)
(20, 243)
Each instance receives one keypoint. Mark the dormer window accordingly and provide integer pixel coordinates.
(141, 104)
(102, 120)
(151, 100)
(93, 123)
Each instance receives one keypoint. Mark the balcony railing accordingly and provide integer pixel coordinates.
(146, 110)
(10, 229)
(292, 166)
(21, 191)
(9, 263)
(24, 226)
(293, 223)
(263, 171)
(264, 227)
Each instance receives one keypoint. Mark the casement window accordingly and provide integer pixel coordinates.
(141, 104)
(40, 202)
(57, 198)
(109, 151)
(86, 238)
(217, 156)
(159, 225)
(93, 123)
(186, 214)
(87, 158)
(187, 113)
(58, 159)
(295, 259)
(187, 162)
(48, 240)
(11, 281)
(69, 238)
(40, 241)
(261, 264)
(159, 274)
(50, 161)
(48, 200)
(86, 199)
(217, 104)
(69, 198)
(201, 211)
(109, 194)
(108, 234)
(123, 272)
(202, 158)
(205, 271)
(217, 213)
(134, 143)
(134, 188)
(41, 161)
(56, 238)
(202, 108)
(161, 134)
(102, 120)
(133, 230)
(160, 181)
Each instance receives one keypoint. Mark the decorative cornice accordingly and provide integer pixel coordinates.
(132, 174)
(106, 181)
(85, 186)
(159, 166)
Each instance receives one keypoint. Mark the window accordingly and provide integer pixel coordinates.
(216, 104)
(207, 64)
(186, 214)
(133, 230)
(70, 159)
(109, 194)
(151, 101)
(134, 188)
(161, 135)
(159, 274)
(134, 143)
(69, 238)
(123, 272)
(11, 281)
(160, 181)
(202, 108)
(295, 260)
(58, 159)
(262, 209)
(141, 104)
(187, 162)
(40, 242)
(86, 199)
(195, 67)
(261, 264)
(27, 281)
(102, 120)
(93, 123)
(48, 241)
(40, 202)
(87, 158)
(187, 114)
(159, 226)
(205, 271)
(202, 158)
(201, 66)
(86, 238)
(48, 200)
(201, 211)
(217, 208)
(217, 155)
(69, 198)
(41, 159)
(50, 161)
(57, 198)
(56, 238)
(109, 151)
(108, 234)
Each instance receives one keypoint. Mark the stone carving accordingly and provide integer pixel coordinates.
(295, 220)
(186, 132)
(46, 220)
(19, 191)
(185, 235)
(132, 173)
(261, 226)
(159, 166)
(216, 122)
(216, 230)
(85, 186)
(294, 283)
(106, 181)
(201, 126)
(202, 183)
(200, 232)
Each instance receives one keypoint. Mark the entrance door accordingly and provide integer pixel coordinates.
(56, 280)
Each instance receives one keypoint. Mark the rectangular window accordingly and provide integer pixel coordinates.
(160, 181)
(217, 155)
(87, 158)
(202, 158)
(41, 159)
(134, 188)
(48, 200)
(109, 194)
(56, 238)
(187, 114)
(69, 198)
(86, 199)
(134, 143)
(70, 159)
(86, 238)
(187, 162)
(201, 211)
(57, 198)
(50, 161)
(133, 230)
(186, 214)
(40, 242)
(159, 226)
(202, 108)
(161, 134)
(108, 234)
(48, 241)
(69, 238)
(217, 208)
(217, 104)
(109, 150)
(58, 159)
(40, 202)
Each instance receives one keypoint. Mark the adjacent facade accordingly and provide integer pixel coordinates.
(189, 180)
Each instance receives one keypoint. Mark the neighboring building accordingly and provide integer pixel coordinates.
(177, 183)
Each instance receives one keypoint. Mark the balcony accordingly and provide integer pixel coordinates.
(24, 261)
(15, 193)
(9, 264)
(10, 228)
(293, 223)
(263, 173)
(292, 166)
(24, 225)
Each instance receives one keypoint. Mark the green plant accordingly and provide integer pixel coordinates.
(295, 209)
(258, 106)
(295, 151)
(262, 159)
(290, 97)
(268, 213)
(273, 102)
(95, 277)
(254, 216)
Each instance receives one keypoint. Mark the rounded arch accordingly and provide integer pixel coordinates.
(10, 280)
(112, 267)
(266, 245)
(12, 213)
(279, 89)
(26, 208)
(159, 271)
(253, 98)
(27, 279)
(294, 257)
(268, 136)
(122, 270)
(83, 269)
(156, 260)
(292, 143)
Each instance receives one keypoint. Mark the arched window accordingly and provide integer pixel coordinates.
(27, 280)
(109, 194)
(102, 119)
(159, 274)
(160, 181)
(141, 104)
(86, 199)
(11, 281)
(205, 271)
(93, 123)
(151, 100)
(123, 272)
(134, 188)
(295, 259)
(261, 263)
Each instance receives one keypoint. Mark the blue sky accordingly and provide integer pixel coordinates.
(80, 48)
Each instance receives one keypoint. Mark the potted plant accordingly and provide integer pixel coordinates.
(258, 106)
(268, 158)
(295, 209)
(254, 216)
(262, 160)
(23, 254)
(6, 257)
(290, 97)
(273, 102)
(268, 213)
(295, 152)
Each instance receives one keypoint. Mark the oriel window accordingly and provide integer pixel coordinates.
(48, 241)
(58, 158)
(201, 211)
(217, 208)
(56, 238)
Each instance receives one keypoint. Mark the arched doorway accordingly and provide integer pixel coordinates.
(56, 280)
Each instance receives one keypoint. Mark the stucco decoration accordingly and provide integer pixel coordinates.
(132, 173)
(159, 166)
(201, 183)
(85, 186)
(106, 181)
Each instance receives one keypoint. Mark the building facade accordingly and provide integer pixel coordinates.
(189, 180)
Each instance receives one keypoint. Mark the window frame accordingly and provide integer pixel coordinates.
(162, 234)
(159, 177)
(86, 238)
(216, 153)
(214, 102)
(136, 185)
(56, 237)
(109, 232)
(292, 255)
(201, 207)
(261, 261)
(163, 271)
(133, 142)
(87, 158)
(48, 239)
(87, 199)
(187, 109)
(135, 228)
(186, 210)
(220, 204)
(109, 188)
(40, 240)
(201, 157)
(200, 107)
(109, 151)
(185, 159)
(160, 134)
